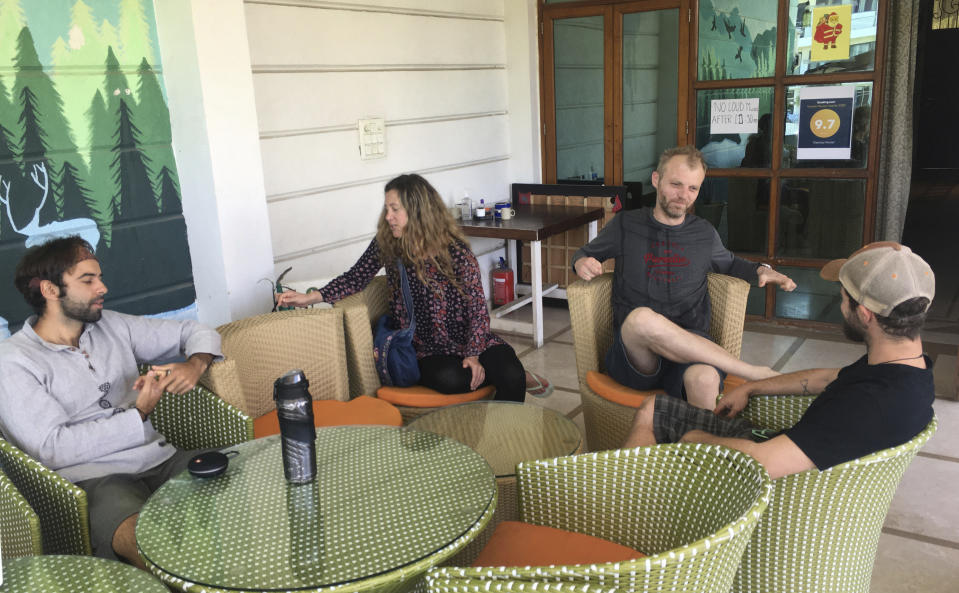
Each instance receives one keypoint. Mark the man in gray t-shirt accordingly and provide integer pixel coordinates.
(660, 301)
(72, 397)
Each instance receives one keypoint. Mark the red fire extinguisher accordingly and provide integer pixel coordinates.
(502, 284)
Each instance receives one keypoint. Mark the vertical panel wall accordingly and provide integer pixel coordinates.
(437, 74)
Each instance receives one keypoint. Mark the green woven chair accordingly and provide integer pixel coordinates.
(446, 585)
(19, 525)
(591, 315)
(197, 419)
(821, 529)
(690, 508)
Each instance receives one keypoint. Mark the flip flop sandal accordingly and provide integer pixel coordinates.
(542, 388)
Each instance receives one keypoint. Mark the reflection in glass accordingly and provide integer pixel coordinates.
(862, 111)
(650, 93)
(578, 72)
(739, 209)
(814, 299)
(862, 38)
(820, 218)
(737, 39)
(735, 150)
(756, 301)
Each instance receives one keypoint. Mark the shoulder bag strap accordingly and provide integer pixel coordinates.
(407, 297)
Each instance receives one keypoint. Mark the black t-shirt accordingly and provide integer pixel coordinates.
(866, 409)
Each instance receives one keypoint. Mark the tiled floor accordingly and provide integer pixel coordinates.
(919, 547)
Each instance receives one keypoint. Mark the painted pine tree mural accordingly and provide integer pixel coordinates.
(70, 122)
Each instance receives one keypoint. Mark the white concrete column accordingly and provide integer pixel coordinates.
(522, 56)
(205, 60)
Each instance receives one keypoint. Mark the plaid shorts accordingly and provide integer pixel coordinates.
(673, 417)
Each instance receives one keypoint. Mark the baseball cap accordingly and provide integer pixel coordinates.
(882, 275)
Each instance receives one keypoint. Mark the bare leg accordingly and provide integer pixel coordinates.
(125, 542)
(648, 335)
(702, 386)
(641, 434)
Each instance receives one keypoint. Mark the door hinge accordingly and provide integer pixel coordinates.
(541, 28)
(544, 129)
(689, 15)
(687, 127)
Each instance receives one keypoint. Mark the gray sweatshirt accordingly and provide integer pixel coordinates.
(71, 408)
(664, 267)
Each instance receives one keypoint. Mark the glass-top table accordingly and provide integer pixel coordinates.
(77, 574)
(504, 433)
(387, 504)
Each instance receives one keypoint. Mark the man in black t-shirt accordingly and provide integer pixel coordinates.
(880, 401)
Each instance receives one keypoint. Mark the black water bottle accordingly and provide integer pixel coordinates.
(294, 409)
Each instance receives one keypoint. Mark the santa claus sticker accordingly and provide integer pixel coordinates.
(831, 29)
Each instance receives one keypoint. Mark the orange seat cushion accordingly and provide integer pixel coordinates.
(327, 412)
(418, 396)
(520, 544)
(609, 389)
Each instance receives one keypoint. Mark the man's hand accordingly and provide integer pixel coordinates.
(180, 377)
(291, 298)
(733, 401)
(769, 275)
(588, 268)
(150, 390)
(479, 373)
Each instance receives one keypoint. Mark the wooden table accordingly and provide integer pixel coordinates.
(387, 505)
(533, 223)
(504, 433)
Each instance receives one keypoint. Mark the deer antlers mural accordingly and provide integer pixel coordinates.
(38, 234)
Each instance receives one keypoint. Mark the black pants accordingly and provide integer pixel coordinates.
(504, 371)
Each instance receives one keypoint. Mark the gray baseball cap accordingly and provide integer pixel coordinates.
(882, 275)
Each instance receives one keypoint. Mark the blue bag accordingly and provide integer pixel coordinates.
(393, 352)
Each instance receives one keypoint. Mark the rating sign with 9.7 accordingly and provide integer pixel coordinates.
(824, 123)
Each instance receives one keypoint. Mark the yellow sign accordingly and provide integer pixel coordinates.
(824, 123)
(831, 31)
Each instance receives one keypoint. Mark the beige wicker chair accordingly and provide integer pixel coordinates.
(259, 349)
(19, 525)
(690, 508)
(360, 313)
(821, 530)
(608, 423)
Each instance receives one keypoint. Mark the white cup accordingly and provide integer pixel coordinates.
(507, 213)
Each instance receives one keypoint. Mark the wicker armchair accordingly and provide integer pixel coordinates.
(197, 419)
(19, 525)
(360, 312)
(691, 508)
(261, 348)
(821, 529)
(591, 315)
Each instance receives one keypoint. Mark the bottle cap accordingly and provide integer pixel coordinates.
(291, 377)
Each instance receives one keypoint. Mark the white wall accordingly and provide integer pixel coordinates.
(459, 97)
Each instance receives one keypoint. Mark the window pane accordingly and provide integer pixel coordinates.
(735, 150)
(650, 93)
(739, 209)
(814, 299)
(737, 39)
(862, 108)
(756, 301)
(809, 32)
(820, 218)
(578, 71)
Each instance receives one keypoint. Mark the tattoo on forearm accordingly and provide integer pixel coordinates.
(805, 389)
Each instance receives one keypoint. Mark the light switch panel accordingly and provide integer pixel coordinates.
(372, 138)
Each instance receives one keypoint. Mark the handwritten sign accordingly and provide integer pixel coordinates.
(734, 116)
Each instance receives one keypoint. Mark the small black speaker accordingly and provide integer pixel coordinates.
(208, 465)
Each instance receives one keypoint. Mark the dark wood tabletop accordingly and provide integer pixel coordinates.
(533, 222)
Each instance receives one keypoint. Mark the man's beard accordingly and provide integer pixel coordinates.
(856, 334)
(77, 311)
(664, 206)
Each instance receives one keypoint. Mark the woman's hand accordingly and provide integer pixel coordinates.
(291, 298)
(479, 373)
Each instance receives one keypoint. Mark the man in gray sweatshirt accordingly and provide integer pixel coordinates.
(660, 300)
(72, 397)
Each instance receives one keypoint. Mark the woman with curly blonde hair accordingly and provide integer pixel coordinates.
(456, 350)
